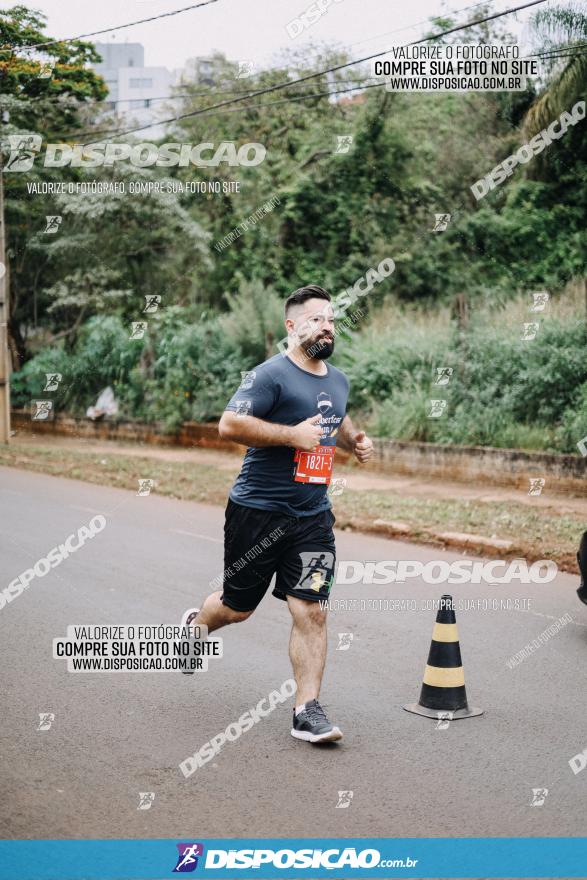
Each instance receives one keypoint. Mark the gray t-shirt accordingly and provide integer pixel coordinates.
(279, 391)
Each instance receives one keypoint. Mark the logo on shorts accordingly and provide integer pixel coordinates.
(187, 860)
(317, 571)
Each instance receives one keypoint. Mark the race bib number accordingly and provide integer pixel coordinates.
(314, 466)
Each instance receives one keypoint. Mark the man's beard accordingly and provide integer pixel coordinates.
(321, 348)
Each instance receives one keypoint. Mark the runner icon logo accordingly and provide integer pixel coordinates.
(317, 571)
(536, 485)
(437, 408)
(43, 410)
(52, 223)
(338, 484)
(23, 149)
(152, 302)
(145, 487)
(441, 222)
(344, 143)
(52, 381)
(443, 375)
(444, 719)
(138, 329)
(46, 719)
(187, 860)
(146, 799)
(243, 407)
(539, 795)
(247, 379)
(540, 301)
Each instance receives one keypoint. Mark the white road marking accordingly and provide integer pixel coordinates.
(552, 617)
(197, 535)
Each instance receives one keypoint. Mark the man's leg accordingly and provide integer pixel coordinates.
(214, 614)
(307, 650)
(307, 647)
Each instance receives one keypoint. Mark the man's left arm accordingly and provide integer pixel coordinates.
(354, 441)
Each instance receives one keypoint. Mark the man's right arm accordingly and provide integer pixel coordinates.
(251, 431)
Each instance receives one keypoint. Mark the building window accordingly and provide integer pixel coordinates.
(140, 83)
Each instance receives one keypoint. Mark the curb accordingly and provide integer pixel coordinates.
(478, 545)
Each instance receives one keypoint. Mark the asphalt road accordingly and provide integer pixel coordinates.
(115, 735)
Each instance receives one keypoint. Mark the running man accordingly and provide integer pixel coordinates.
(291, 412)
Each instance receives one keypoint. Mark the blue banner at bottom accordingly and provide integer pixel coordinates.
(386, 858)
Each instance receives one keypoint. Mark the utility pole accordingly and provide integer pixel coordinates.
(4, 304)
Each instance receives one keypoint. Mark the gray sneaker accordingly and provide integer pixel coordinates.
(187, 619)
(313, 726)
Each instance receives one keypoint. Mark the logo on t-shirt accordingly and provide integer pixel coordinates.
(324, 402)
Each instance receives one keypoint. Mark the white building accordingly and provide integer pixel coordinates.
(135, 92)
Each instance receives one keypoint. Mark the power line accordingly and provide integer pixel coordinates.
(205, 111)
(562, 55)
(555, 52)
(118, 27)
(309, 76)
(424, 21)
(235, 109)
(92, 102)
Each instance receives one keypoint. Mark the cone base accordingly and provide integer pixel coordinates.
(457, 714)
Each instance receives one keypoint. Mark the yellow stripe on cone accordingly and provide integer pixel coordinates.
(445, 632)
(446, 677)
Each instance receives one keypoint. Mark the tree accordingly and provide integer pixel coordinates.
(45, 89)
(560, 27)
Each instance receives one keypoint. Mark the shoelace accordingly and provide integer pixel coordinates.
(316, 713)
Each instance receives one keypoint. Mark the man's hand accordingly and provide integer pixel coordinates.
(307, 434)
(362, 447)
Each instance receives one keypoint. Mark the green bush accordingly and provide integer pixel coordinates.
(573, 426)
(178, 372)
(503, 391)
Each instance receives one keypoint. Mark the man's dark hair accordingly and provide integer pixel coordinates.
(299, 296)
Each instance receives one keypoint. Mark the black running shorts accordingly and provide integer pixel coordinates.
(299, 550)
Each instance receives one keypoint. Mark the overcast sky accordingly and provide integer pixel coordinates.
(254, 29)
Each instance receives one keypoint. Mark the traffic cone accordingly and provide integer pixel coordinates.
(443, 688)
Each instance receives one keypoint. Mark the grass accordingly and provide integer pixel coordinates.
(536, 533)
